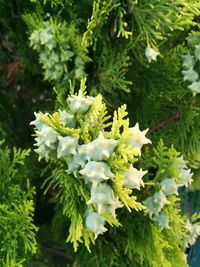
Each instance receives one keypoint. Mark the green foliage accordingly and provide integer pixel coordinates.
(173, 116)
(17, 231)
(101, 10)
(157, 20)
(72, 197)
(112, 66)
(104, 41)
(112, 27)
(137, 243)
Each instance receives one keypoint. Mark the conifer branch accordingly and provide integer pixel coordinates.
(193, 102)
(163, 123)
(175, 116)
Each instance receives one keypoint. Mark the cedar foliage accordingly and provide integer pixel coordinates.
(49, 44)
(17, 230)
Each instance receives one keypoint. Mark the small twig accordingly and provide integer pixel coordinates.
(163, 123)
(193, 102)
(173, 117)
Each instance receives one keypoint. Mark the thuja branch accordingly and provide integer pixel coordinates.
(193, 102)
(163, 123)
(175, 116)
